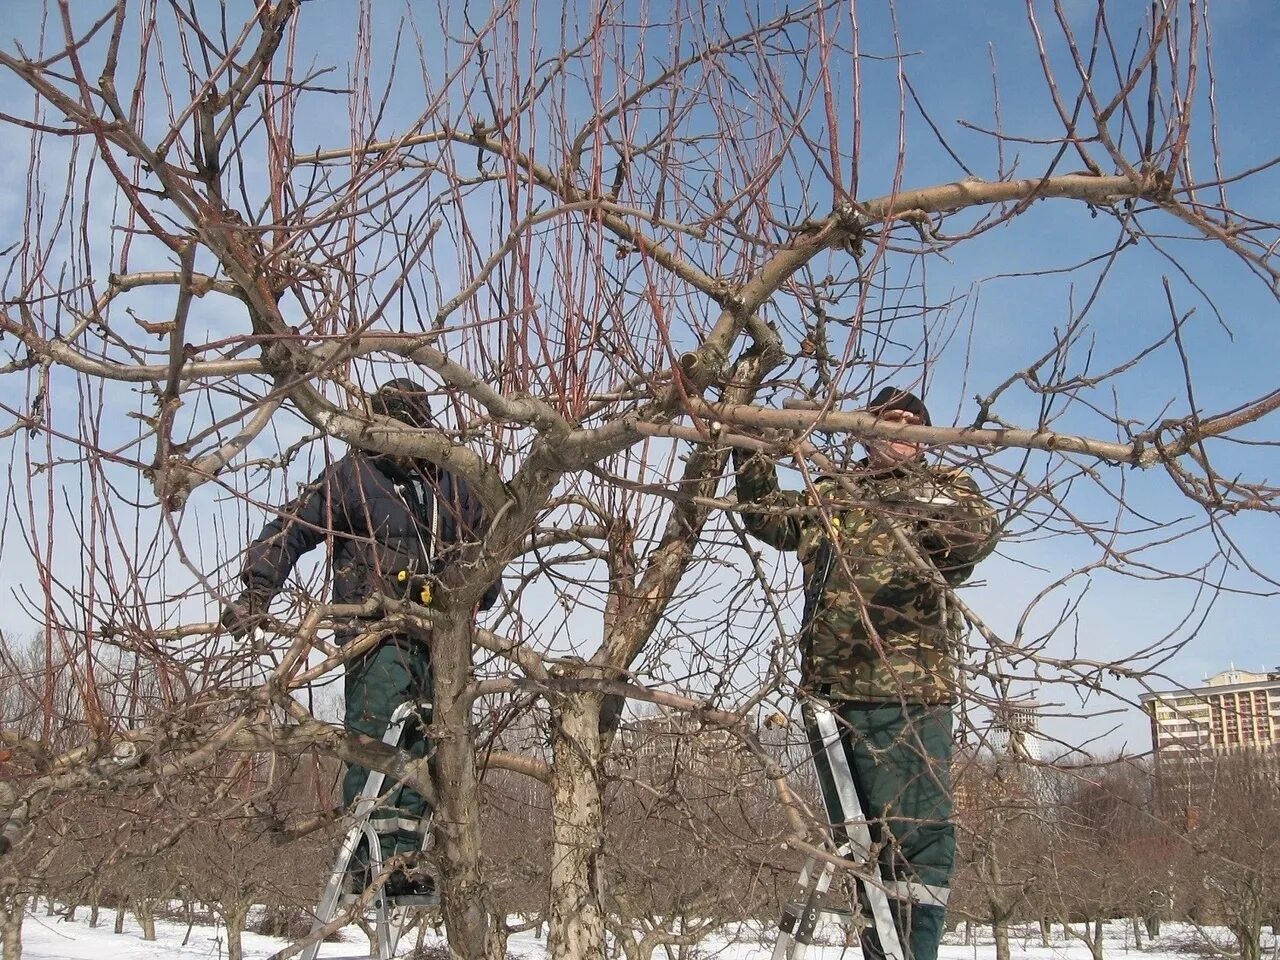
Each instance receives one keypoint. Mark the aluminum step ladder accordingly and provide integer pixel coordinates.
(802, 915)
(390, 919)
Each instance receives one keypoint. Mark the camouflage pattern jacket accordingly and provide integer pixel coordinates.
(875, 626)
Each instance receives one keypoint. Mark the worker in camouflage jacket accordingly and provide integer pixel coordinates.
(879, 642)
(394, 524)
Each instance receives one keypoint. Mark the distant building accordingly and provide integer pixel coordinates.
(1015, 731)
(1235, 710)
(1004, 765)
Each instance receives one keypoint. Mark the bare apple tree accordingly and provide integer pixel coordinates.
(617, 241)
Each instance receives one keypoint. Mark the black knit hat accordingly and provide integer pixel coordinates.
(891, 398)
(403, 400)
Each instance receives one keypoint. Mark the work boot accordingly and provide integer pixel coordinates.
(415, 889)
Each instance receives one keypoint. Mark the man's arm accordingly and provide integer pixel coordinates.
(299, 527)
(963, 529)
(757, 486)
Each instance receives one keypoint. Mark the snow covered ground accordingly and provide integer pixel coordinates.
(52, 938)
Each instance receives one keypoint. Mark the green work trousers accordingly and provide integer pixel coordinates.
(899, 756)
(396, 671)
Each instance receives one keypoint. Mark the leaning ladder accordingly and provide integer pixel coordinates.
(390, 920)
(800, 917)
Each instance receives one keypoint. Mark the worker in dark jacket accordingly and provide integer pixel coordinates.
(878, 646)
(393, 522)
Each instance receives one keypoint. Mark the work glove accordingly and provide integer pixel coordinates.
(245, 615)
(415, 587)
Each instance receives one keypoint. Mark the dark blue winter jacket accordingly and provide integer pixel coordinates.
(384, 518)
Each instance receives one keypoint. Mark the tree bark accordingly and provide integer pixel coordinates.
(999, 924)
(1249, 938)
(1000, 930)
(234, 917)
(465, 901)
(577, 817)
(144, 910)
(498, 937)
(12, 908)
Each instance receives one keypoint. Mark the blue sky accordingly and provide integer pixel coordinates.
(1009, 298)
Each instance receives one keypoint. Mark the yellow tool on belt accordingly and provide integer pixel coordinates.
(415, 584)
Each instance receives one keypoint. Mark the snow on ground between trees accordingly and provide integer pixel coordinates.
(53, 938)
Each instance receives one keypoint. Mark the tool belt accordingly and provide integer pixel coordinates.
(414, 587)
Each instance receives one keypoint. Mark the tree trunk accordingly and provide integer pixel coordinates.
(1137, 933)
(1000, 930)
(1046, 931)
(498, 937)
(234, 917)
(1249, 938)
(144, 910)
(1095, 941)
(12, 938)
(122, 904)
(12, 908)
(457, 816)
(577, 818)
(999, 924)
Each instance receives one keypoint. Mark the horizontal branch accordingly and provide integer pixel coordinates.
(862, 424)
(530, 767)
(67, 356)
(950, 197)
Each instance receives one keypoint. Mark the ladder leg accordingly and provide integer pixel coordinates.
(859, 833)
(331, 897)
(800, 917)
(383, 947)
(387, 932)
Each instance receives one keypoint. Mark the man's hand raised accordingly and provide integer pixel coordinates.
(245, 615)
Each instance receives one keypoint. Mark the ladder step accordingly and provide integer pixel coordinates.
(415, 901)
(407, 901)
(832, 914)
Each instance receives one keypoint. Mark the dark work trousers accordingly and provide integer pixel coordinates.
(397, 670)
(900, 758)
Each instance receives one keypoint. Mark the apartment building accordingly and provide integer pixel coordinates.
(1234, 710)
